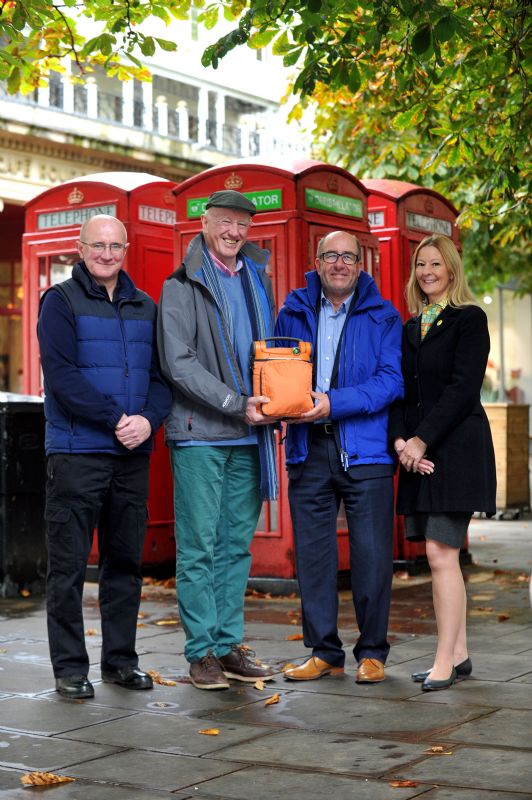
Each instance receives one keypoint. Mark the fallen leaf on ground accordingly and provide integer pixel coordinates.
(401, 784)
(294, 613)
(43, 779)
(525, 578)
(91, 632)
(25, 592)
(402, 576)
(141, 625)
(271, 701)
(503, 617)
(210, 731)
(166, 622)
(438, 750)
(141, 615)
(158, 678)
(480, 577)
(294, 637)
(259, 685)
(295, 621)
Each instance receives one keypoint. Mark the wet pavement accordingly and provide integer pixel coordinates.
(326, 737)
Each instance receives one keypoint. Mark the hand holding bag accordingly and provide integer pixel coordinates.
(284, 374)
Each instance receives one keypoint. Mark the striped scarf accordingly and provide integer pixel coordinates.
(261, 328)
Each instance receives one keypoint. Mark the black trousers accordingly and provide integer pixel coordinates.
(315, 491)
(83, 492)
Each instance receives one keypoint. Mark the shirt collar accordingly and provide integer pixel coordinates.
(222, 267)
(344, 306)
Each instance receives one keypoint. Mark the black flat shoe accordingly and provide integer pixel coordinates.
(435, 686)
(74, 687)
(463, 670)
(128, 678)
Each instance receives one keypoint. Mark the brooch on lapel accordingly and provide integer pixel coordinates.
(439, 322)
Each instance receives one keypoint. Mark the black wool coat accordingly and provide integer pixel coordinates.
(443, 376)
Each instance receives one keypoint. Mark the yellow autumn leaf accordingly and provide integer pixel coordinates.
(25, 592)
(91, 632)
(259, 685)
(158, 678)
(210, 731)
(289, 665)
(43, 779)
(271, 701)
(166, 622)
(294, 637)
(438, 750)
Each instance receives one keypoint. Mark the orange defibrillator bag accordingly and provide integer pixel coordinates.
(284, 374)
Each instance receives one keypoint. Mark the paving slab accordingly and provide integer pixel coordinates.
(324, 752)
(12, 789)
(476, 767)
(155, 770)
(441, 793)
(47, 754)
(52, 715)
(25, 677)
(393, 688)
(483, 693)
(167, 733)
(182, 699)
(506, 727)
(371, 717)
(268, 783)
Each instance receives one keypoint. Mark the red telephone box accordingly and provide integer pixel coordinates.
(146, 206)
(297, 203)
(401, 215)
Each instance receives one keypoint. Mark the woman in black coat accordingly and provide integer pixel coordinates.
(442, 437)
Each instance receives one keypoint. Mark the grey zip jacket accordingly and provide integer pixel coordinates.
(197, 357)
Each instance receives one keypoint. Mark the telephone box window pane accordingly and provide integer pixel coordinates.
(61, 267)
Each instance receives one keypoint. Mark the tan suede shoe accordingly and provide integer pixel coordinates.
(370, 670)
(312, 669)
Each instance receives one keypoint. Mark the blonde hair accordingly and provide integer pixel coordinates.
(459, 293)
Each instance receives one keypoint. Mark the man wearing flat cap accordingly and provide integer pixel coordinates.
(212, 308)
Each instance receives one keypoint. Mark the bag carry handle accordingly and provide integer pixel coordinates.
(279, 339)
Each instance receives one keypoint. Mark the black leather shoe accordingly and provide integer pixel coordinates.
(435, 686)
(128, 678)
(463, 670)
(75, 687)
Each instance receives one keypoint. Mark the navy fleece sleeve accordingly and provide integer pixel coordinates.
(56, 331)
(159, 399)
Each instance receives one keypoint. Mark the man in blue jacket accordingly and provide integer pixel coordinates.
(104, 400)
(339, 452)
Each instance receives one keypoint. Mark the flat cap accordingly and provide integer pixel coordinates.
(228, 198)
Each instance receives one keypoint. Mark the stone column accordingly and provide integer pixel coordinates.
(203, 116)
(162, 115)
(181, 111)
(128, 89)
(147, 101)
(92, 98)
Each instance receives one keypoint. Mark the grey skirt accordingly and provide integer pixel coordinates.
(450, 528)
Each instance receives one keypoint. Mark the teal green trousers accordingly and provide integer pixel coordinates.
(217, 505)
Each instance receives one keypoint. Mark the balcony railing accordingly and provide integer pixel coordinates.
(177, 124)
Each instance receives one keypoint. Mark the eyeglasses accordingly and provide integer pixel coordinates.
(99, 247)
(331, 257)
